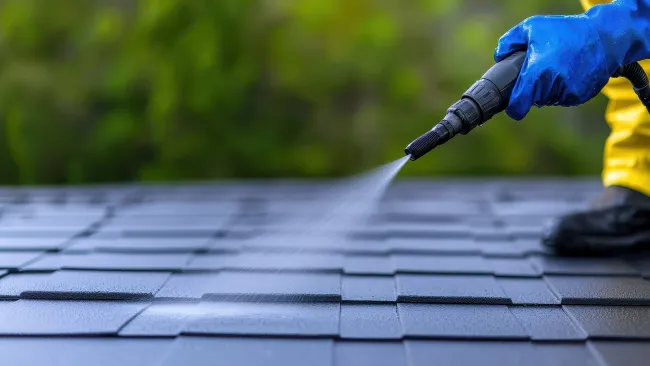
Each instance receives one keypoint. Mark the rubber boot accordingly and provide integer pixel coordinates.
(616, 222)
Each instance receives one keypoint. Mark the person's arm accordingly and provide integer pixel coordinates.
(571, 58)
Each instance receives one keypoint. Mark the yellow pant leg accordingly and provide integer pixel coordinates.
(627, 149)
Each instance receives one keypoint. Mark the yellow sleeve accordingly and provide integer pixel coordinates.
(586, 4)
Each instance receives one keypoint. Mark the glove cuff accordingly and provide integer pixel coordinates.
(623, 27)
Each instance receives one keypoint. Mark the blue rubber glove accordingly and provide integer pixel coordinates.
(571, 58)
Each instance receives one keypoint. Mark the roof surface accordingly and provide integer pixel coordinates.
(448, 273)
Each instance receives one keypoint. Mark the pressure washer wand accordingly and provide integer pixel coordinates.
(491, 94)
(488, 96)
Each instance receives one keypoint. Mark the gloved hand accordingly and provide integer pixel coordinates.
(571, 58)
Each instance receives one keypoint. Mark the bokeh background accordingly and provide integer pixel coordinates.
(130, 90)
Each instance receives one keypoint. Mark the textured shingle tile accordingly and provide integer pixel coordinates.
(490, 233)
(370, 321)
(199, 351)
(191, 209)
(453, 353)
(623, 353)
(433, 246)
(356, 353)
(366, 289)
(160, 221)
(275, 243)
(612, 321)
(243, 286)
(44, 317)
(110, 261)
(501, 249)
(601, 290)
(519, 208)
(267, 261)
(584, 266)
(441, 264)
(32, 243)
(186, 286)
(533, 247)
(426, 230)
(513, 267)
(162, 320)
(156, 232)
(528, 291)
(548, 323)
(640, 263)
(97, 285)
(39, 232)
(83, 351)
(369, 265)
(13, 285)
(140, 245)
(14, 260)
(224, 245)
(460, 321)
(476, 289)
(285, 319)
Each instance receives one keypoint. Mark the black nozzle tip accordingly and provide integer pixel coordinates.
(427, 142)
(409, 153)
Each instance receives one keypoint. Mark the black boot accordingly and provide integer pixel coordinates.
(617, 222)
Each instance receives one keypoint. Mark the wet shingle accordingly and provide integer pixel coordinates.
(268, 261)
(30, 232)
(281, 319)
(547, 323)
(433, 246)
(104, 351)
(501, 249)
(601, 290)
(110, 261)
(495, 353)
(15, 260)
(186, 286)
(579, 266)
(460, 321)
(528, 291)
(97, 285)
(370, 321)
(623, 322)
(45, 317)
(302, 287)
(513, 267)
(162, 320)
(368, 265)
(13, 285)
(200, 351)
(476, 289)
(357, 353)
(366, 289)
(623, 353)
(140, 245)
(37, 244)
(441, 264)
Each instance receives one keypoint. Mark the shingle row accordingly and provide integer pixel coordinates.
(310, 287)
(329, 320)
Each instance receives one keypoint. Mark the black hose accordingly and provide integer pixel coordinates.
(639, 80)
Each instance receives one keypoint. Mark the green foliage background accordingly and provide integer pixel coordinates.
(114, 90)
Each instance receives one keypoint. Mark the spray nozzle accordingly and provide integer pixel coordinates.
(438, 135)
(485, 98)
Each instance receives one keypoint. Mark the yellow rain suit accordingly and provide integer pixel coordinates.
(627, 150)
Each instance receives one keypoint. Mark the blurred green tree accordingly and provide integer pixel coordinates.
(114, 90)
